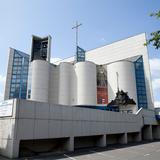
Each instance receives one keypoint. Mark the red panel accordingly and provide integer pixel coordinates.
(102, 95)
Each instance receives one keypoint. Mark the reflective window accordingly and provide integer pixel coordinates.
(19, 75)
(140, 83)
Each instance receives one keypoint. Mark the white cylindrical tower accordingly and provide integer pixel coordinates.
(40, 80)
(66, 71)
(54, 84)
(122, 74)
(86, 83)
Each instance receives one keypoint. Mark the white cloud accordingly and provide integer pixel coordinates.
(1, 96)
(157, 103)
(103, 39)
(55, 60)
(2, 79)
(156, 83)
(155, 67)
(2, 84)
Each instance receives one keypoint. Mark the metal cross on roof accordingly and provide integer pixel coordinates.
(76, 27)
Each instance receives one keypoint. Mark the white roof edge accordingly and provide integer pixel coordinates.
(143, 33)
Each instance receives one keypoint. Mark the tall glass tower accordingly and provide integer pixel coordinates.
(17, 75)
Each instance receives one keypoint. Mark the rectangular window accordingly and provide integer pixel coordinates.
(140, 83)
(18, 88)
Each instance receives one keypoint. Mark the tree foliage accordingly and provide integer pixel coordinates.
(155, 36)
(156, 14)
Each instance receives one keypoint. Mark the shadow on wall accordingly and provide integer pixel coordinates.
(74, 88)
(7, 136)
(39, 146)
(110, 93)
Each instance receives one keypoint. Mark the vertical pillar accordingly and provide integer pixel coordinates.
(156, 132)
(69, 144)
(147, 132)
(101, 142)
(138, 137)
(123, 138)
(15, 149)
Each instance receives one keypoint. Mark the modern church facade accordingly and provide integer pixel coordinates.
(101, 97)
(122, 65)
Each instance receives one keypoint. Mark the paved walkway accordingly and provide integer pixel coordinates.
(145, 151)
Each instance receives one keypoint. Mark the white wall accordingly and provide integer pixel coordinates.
(65, 84)
(126, 79)
(86, 78)
(66, 71)
(37, 120)
(130, 47)
(54, 84)
(9, 74)
(40, 80)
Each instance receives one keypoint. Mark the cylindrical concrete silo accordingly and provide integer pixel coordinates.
(54, 84)
(65, 83)
(86, 83)
(122, 74)
(40, 80)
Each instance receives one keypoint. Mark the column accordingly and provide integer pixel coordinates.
(147, 132)
(123, 138)
(101, 141)
(138, 137)
(69, 144)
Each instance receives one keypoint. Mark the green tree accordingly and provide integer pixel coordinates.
(155, 36)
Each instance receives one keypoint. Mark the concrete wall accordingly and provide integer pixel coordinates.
(54, 84)
(66, 81)
(39, 121)
(65, 84)
(9, 73)
(126, 79)
(86, 81)
(77, 121)
(40, 80)
(8, 142)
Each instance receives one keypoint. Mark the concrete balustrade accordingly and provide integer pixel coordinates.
(53, 127)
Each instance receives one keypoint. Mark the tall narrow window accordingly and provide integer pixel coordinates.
(140, 83)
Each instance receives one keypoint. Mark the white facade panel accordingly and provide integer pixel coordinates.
(40, 80)
(54, 84)
(9, 74)
(124, 73)
(65, 83)
(86, 83)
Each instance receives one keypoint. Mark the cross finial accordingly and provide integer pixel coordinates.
(76, 27)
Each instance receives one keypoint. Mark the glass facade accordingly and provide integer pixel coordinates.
(80, 55)
(18, 87)
(140, 82)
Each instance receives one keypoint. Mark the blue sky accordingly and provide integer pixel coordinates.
(104, 21)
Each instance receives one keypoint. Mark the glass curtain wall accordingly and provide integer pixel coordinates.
(18, 88)
(140, 82)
